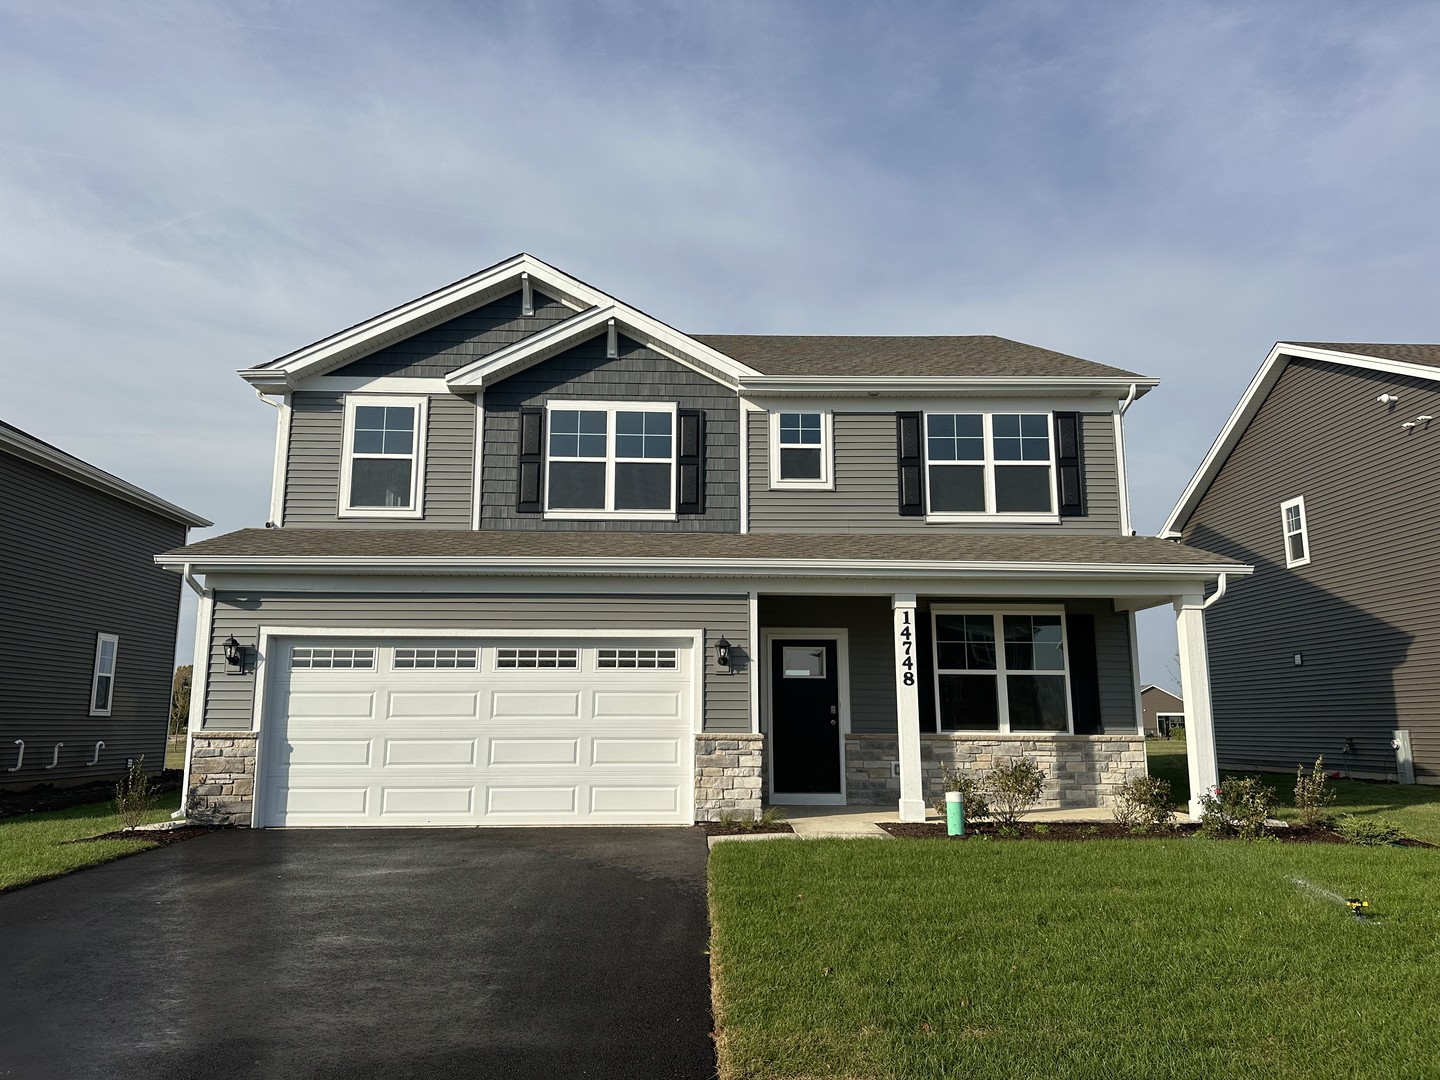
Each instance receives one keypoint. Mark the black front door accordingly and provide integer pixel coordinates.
(805, 716)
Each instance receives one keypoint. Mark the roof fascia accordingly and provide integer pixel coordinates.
(921, 385)
(1250, 403)
(58, 461)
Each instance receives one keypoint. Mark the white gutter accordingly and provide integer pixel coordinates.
(199, 677)
(1215, 597)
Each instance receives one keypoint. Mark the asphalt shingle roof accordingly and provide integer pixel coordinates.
(1429, 355)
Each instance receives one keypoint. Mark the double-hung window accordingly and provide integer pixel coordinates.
(1297, 533)
(800, 450)
(383, 474)
(610, 460)
(1001, 671)
(990, 464)
(102, 679)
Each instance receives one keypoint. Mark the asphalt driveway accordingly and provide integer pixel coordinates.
(357, 953)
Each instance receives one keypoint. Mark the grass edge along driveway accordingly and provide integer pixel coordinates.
(34, 847)
(1019, 959)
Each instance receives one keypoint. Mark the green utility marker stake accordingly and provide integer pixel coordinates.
(954, 813)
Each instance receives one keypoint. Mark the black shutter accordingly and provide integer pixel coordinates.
(912, 464)
(1069, 459)
(529, 490)
(690, 462)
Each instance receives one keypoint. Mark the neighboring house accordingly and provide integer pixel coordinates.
(1160, 710)
(87, 625)
(1324, 478)
(540, 558)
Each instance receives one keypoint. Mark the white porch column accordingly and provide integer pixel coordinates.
(907, 708)
(1195, 689)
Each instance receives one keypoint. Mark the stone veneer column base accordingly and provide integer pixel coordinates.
(1080, 770)
(222, 778)
(728, 775)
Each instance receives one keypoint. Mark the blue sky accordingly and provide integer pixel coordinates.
(189, 188)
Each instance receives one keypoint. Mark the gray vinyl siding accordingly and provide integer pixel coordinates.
(229, 703)
(1365, 613)
(869, 622)
(865, 498)
(76, 562)
(1116, 674)
(317, 437)
(436, 352)
(638, 374)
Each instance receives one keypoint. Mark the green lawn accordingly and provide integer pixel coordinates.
(175, 752)
(1415, 807)
(1106, 959)
(33, 846)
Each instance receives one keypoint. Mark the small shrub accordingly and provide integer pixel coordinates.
(1013, 789)
(1369, 831)
(1143, 804)
(1177, 732)
(972, 793)
(1042, 829)
(133, 798)
(1238, 808)
(767, 818)
(1313, 797)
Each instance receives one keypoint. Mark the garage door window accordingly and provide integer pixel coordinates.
(537, 658)
(659, 659)
(304, 657)
(411, 659)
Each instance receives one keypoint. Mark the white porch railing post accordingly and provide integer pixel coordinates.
(907, 709)
(1195, 688)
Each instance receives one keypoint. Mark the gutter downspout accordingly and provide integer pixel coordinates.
(1124, 405)
(199, 677)
(1215, 597)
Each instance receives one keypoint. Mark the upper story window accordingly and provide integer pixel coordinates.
(384, 465)
(102, 680)
(800, 450)
(1001, 671)
(990, 463)
(610, 460)
(1297, 535)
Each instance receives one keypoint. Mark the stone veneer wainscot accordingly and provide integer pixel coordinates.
(222, 777)
(728, 771)
(1080, 770)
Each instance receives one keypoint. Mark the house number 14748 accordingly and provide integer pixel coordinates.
(907, 650)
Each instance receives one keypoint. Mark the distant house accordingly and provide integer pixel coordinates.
(1160, 710)
(1324, 478)
(87, 627)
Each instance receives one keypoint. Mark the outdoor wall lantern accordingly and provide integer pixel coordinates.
(722, 656)
(234, 654)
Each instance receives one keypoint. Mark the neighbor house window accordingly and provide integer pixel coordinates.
(383, 471)
(1297, 536)
(610, 460)
(990, 463)
(102, 681)
(800, 450)
(1001, 671)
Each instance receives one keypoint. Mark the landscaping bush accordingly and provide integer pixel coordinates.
(769, 817)
(133, 798)
(1013, 789)
(972, 793)
(1239, 807)
(1143, 804)
(1313, 796)
(1369, 831)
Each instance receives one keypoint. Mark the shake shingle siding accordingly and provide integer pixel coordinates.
(865, 496)
(230, 697)
(639, 374)
(1364, 615)
(312, 480)
(75, 562)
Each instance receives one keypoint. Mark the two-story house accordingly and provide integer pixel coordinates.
(536, 557)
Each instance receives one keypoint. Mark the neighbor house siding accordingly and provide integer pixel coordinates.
(1364, 615)
(76, 562)
(639, 374)
(317, 437)
(865, 497)
(230, 697)
(436, 352)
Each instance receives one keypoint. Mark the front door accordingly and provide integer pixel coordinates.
(805, 717)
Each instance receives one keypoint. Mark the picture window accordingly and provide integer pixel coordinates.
(1001, 672)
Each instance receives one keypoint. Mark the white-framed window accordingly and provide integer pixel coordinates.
(313, 657)
(1001, 670)
(564, 659)
(382, 474)
(606, 459)
(658, 659)
(102, 679)
(800, 450)
(990, 464)
(802, 662)
(407, 659)
(1296, 530)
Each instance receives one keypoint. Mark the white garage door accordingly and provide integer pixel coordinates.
(467, 732)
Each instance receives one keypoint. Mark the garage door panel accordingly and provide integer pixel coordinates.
(616, 705)
(534, 751)
(634, 751)
(328, 801)
(408, 752)
(525, 704)
(633, 799)
(531, 800)
(456, 801)
(321, 705)
(407, 704)
(322, 752)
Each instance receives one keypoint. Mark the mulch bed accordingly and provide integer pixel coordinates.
(1071, 831)
(162, 837)
(50, 797)
(719, 828)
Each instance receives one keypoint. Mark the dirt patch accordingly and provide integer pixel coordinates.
(162, 837)
(49, 797)
(1074, 831)
(720, 828)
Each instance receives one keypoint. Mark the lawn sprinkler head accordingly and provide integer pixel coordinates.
(1359, 908)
